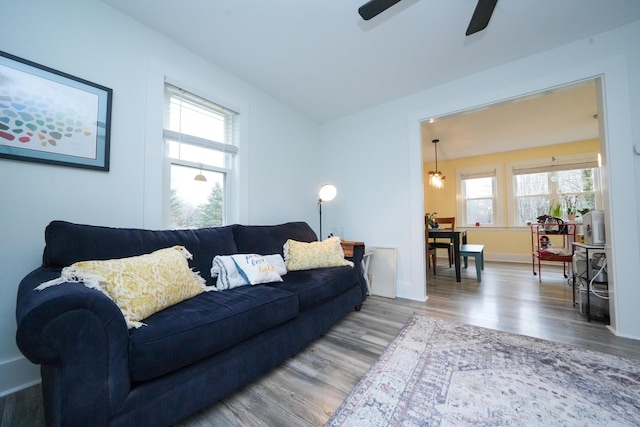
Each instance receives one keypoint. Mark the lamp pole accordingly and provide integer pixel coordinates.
(327, 192)
(320, 209)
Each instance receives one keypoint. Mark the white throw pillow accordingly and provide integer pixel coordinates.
(242, 269)
(277, 262)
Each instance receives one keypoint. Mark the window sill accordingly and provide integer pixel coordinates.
(495, 228)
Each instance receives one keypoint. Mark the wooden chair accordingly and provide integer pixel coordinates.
(446, 223)
(431, 257)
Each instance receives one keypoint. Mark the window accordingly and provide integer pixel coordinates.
(565, 181)
(200, 148)
(479, 196)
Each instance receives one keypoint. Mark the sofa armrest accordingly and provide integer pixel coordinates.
(80, 338)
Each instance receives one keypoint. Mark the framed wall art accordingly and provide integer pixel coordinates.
(48, 116)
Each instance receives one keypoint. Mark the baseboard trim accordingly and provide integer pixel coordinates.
(405, 290)
(514, 258)
(18, 374)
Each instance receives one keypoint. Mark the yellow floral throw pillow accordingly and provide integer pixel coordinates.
(307, 256)
(139, 285)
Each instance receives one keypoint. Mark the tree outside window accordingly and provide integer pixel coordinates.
(535, 192)
(200, 140)
(196, 204)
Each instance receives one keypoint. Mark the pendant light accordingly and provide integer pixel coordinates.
(436, 178)
(200, 177)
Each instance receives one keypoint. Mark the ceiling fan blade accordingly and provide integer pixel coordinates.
(375, 7)
(481, 16)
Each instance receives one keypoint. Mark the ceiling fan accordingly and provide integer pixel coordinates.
(479, 20)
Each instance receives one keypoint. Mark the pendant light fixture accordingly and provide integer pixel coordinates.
(200, 177)
(436, 179)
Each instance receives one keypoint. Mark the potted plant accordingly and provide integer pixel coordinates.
(430, 217)
(571, 205)
(553, 222)
(555, 209)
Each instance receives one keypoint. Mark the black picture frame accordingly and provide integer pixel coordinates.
(47, 116)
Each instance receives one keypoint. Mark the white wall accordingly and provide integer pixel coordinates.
(89, 39)
(379, 170)
(373, 157)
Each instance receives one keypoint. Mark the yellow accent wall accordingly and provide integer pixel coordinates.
(505, 243)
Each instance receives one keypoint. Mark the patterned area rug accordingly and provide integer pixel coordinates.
(440, 373)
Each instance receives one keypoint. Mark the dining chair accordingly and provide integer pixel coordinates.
(431, 257)
(446, 223)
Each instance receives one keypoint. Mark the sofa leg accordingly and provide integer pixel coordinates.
(358, 307)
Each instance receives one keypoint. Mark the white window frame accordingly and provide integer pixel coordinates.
(229, 172)
(559, 163)
(201, 82)
(495, 170)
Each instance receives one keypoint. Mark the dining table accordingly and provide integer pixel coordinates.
(457, 237)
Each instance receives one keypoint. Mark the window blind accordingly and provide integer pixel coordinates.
(193, 120)
(484, 174)
(555, 167)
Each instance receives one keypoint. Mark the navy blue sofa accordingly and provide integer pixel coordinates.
(96, 372)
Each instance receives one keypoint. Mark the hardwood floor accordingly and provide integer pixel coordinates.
(308, 388)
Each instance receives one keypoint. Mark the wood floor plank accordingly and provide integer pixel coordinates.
(308, 388)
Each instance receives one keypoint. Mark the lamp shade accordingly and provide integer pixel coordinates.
(200, 177)
(436, 178)
(327, 192)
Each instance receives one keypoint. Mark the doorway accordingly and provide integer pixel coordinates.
(539, 124)
(621, 222)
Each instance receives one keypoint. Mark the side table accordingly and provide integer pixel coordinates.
(589, 274)
(348, 248)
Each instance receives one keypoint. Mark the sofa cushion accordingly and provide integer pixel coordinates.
(269, 239)
(306, 256)
(314, 287)
(67, 243)
(204, 325)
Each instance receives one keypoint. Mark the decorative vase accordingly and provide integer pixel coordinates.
(572, 217)
(435, 225)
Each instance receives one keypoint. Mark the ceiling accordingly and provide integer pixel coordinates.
(322, 59)
(553, 117)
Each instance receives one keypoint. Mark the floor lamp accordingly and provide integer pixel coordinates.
(327, 193)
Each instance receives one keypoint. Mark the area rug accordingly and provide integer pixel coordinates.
(440, 373)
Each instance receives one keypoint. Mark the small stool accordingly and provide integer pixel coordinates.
(477, 252)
